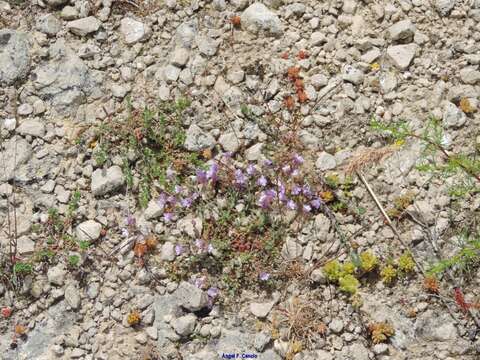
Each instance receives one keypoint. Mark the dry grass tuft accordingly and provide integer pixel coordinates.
(368, 157)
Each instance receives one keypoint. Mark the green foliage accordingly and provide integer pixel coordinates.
(84, 244)
(468, 255)
(406, 263)
(74, 201)
(73, 260)
(368, 261)
(22, 268)
(333, 270)
(388, 274)
(349, 284)
(100, 155)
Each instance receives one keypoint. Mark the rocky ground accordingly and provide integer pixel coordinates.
(321, 68)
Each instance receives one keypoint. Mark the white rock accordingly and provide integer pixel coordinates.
(261, 310)
(171, 72)
(402, 55)
(353, 75)
(88, 230)
(470, 76)
(257, 18)
(167, 252)
(336, 325)
(49, 24)
(25, 109)
(444, 6)
(25, 245)
(180, 57)
(197, 139)
(318, 38)
(453, 117)
(120, 90)
(402, 31)
(371, 55)
(230, 142)
(107, 181)
(318, 81)
(69, 13)
(134, 31)
(84, 26)
(56, 275)
(72, 296)
(325, 161)
(191, 297)
(32, 127)
(185, 325)
(291, 249)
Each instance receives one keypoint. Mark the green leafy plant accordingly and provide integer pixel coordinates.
(73, 260)
(349, 284)
(22, 268)
(388, 274)
(368, 261)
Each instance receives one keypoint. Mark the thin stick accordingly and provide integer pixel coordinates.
(387, 219)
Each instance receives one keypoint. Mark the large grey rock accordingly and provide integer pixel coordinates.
(431, 326)
(17, 152)
(32, 127)
(402, 31)
(470, 76)
(49, 24)
(402, 55)
(107, 181)
(184, 325)
(353, 75)
(84, 26)
(191, 297)
(261, 310)
(14, 56)
(197, 139)
(258, 19)
(72, 296)
(88, 230)
(453, 117)
(64, 80)
(444, 6)
(56, 275)
(325, 161)
(56, 3)
(186, 33)
(134, 31)
(56, 320)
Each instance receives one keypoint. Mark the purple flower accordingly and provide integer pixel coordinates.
(170, 173)
(213, 292)
(240, 178)
(251, 169)
(168, 217)
(187, 202)
(199, 282)
(212, 172)
(296, 190)
(307, 208)
(130, 220)
(316, 203)
(262, 181)
(264, 276)
(162, 200)
(291, 205)
(287, 169)
(307, 191)
(266, 198)
(268, 163)
(295, 172)
(227, 155)
(125, 232)
(298, 159)
(195, 196)
(200, 244)
(178, 249)
(201, 176)
(172, 200)
(178, 189)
